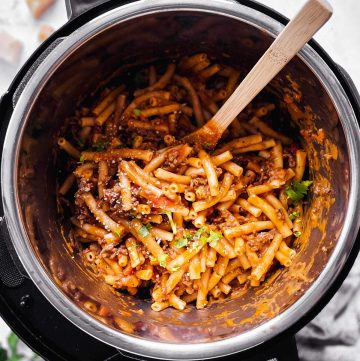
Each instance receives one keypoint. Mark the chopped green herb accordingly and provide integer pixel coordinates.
(175, 268)
(117, 233)
(294, 215)
(189, 236)
(100, 146)
(172, 223)
(213, 238)
(143, 231)
(195, 245)
(297, 190)
(148, 226)
(82, 159)
(137, 112)
(297, 234)
(200, 231)
(181, 242)
(162, 260)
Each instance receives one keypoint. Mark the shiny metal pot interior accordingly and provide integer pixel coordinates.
(138, 33)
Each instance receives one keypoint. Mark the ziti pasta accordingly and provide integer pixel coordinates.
(188, 224)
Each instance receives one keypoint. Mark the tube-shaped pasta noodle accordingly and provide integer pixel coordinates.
(262, 188)
(133, 253)
(286, 250)
(210, 173)
(266, 130)
(166, 109)
(221, 265)
(67, 184)
(68, 148)
(125, 191)
(107, 100)
(159, 306)
(256, 212)
(211, 257)
(102, 178)
(300, 164)
(101, 216)
(277, 155)
(239, 246)
(113, 154)
(284, 259)
(255, 147)
(194, 162)
(194, 268)
(176, 302)
(247, 228)
(201, 301)
(242, 142)
(147, 125)
(105, 114)
(279, 207)
(136, 227)
(194, 98)
(270, 212)
(224, 248)
(267, 258)
(187, 255)
(171, 177)
(230, 276)
(209, 71)
(143, 98)
(232, 168)
(213, 280)
(87, 121)
(128, 168)
(191, 61)
(161, 83)
(162, 234)
(225, 186)
(174, 279)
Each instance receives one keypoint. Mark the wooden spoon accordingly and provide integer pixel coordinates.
(313, 15)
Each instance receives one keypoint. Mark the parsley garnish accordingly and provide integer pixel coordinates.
(172, 223)
(100, 146)
(297, 234)
(137, 112)
(180, 243)
(294, 215)
(82, 159)
(162, 260)
(143, 231)
(148, 226)
(200, 231)
(175, 268)
(297, 190)
(117, 233)
(213, 238)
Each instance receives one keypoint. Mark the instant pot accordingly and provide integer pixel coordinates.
(41, 280)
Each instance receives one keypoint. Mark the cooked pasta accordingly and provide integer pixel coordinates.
(189, 223)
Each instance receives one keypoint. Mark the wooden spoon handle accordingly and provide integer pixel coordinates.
(298, 31)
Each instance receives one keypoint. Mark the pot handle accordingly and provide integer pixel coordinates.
(75, 8)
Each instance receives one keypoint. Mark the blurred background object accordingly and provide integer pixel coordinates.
(335, 333)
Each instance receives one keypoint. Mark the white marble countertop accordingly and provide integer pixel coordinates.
(340, 37)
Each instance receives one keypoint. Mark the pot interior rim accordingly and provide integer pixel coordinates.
(43, 281)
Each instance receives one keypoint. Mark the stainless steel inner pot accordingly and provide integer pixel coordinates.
(138, 33)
